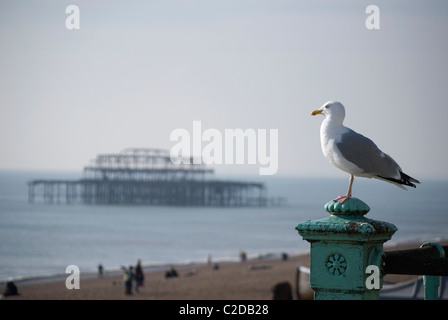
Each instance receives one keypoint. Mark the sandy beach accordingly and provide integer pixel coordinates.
(244, 280)
(248, 280)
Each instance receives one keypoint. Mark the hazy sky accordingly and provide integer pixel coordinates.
(137, 70)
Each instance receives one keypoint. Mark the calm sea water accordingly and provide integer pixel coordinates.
(42, 240)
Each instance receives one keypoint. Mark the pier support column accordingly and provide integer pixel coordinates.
(30, 192)
(346, 250)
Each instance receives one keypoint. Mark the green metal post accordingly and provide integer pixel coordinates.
(346, 250)
(432, 283)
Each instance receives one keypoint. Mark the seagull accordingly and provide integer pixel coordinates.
(355, 154)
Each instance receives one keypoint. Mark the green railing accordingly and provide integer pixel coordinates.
(347, 260)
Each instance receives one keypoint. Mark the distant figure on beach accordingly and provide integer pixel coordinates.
(172, 273)
(100, 270)
(11, 289)
(215, 265)
(243, 256)
(139, 276)
(127, 279)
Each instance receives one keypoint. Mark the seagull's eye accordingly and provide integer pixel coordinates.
(326, 107)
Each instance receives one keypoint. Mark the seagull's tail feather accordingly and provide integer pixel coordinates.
(404, 180)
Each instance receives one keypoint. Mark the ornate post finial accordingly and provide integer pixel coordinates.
(343, 246)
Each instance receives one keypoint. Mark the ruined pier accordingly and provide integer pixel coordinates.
(147, 177)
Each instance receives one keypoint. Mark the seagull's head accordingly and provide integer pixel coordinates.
(331, 109)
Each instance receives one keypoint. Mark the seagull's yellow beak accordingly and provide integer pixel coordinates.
(316, 112)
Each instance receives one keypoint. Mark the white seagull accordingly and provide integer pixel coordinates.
(354, 153)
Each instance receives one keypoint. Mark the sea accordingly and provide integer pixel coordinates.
(40, 240)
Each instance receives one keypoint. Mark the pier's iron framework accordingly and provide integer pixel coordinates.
(148, 177)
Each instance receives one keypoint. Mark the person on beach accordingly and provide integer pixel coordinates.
(171, 273)
(127, 279)
(11, 289)
(243, 256)
(139, 276)
(100, 270)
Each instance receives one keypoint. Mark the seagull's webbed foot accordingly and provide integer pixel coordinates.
(342, 199)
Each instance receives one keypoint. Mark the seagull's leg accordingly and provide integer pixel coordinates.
(341, 199)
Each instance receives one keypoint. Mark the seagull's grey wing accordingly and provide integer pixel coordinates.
(364, 153)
